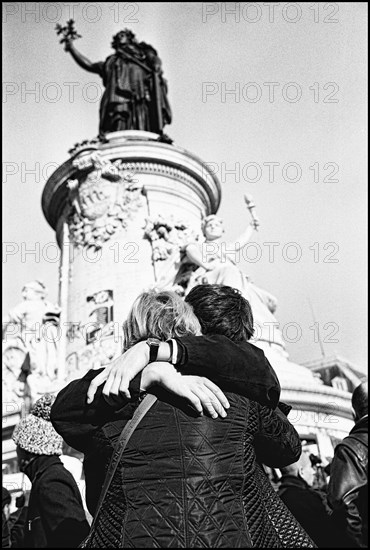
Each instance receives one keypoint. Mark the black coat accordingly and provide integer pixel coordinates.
(348, 485)
(55, 518)
(5, 532)
(308, 507)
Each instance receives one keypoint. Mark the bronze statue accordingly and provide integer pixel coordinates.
(135, 96)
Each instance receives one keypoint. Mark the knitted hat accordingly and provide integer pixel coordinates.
(35, 433)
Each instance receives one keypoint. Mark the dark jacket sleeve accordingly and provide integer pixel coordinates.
(276, 442)
(308, 508)
(347, 476)
(61, 510)
(76, 421)
(348, 479)
(17, 527)
(237, 367)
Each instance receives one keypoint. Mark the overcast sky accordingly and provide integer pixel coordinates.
(273, 95)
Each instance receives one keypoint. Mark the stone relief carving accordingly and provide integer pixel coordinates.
(169, 238)
(103, 199)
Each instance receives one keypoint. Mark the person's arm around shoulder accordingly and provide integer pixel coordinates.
(202, 394)
(239, 367)
(76, 420)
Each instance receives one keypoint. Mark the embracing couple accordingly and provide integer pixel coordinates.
(175, 431)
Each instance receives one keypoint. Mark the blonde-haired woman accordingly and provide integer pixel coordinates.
(159, 315)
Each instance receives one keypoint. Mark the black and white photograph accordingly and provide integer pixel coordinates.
(185, 275)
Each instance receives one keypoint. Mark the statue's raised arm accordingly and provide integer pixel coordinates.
(244, 237)
(81, 60)
(69, 35)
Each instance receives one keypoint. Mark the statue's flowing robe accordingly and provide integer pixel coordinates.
(129, 101)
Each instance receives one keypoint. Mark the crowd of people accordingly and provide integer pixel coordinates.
(176, 434)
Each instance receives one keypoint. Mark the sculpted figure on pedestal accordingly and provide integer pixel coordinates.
(31, 327)
(211, 262)
(135, 96)
(169, 238)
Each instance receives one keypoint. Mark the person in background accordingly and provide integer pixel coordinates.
(307, 504)
(348, 485)
(55, 515)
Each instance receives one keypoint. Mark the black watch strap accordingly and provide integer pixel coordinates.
(153, 349)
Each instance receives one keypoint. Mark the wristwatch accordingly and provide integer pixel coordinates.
(153, 344)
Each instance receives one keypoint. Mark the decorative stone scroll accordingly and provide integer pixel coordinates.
(104, 200)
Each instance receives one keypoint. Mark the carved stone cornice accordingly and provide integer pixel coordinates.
(148, 156)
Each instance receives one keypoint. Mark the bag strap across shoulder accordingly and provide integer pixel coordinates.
(121, 444)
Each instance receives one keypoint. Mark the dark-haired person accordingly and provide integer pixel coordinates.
(184, 480)
(348, 484)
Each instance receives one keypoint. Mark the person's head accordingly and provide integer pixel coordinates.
(212, 227)
(122, 37)
(161, 315)
(34, 290)
(24, 458)
(222, 310)
(6, 502)
(302, 469)
(35, 434)
(360, 401)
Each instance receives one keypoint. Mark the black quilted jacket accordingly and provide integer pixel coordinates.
(185, 482)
